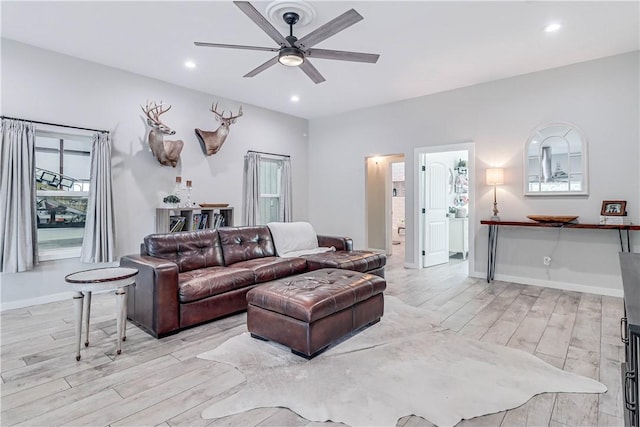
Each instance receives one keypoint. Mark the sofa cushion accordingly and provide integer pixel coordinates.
(271, 268)
(205, 282)
(190, 250)
(348, 260)
(245, 243)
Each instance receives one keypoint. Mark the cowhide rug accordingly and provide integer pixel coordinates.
(404, 365)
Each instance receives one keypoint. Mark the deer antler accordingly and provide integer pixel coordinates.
(239, 114)
(214, 108)
(220, 116)
(154, 111)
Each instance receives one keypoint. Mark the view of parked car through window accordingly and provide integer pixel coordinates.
(62, 190)
(64, 209)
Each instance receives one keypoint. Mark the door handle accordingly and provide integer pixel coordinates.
(623, 330)
(629, 384)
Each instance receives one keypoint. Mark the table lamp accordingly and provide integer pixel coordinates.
(495, 176)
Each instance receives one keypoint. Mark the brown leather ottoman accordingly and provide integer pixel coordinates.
(310, 311)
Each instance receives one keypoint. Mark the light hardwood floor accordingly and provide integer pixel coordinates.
(161, 382)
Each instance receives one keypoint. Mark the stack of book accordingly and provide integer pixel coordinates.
(199, 221)
(614, 220)
(176, 223)
(218, 221)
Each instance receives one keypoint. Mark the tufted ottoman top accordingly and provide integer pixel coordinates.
(317, 294)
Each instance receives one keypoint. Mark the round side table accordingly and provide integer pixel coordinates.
(100, 279)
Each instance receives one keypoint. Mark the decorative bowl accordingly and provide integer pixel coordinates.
(553, 218)
(214, 205)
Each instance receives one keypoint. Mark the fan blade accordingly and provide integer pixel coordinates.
(342, 55)
(343, 21)
(261, 68)
(262, 22)
(311, 71)
(235, 46)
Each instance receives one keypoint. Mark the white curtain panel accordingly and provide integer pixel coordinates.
(251, 187)
(98, 244)
(285, 191)
(18, 238)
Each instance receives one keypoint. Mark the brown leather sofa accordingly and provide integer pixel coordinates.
(192, 277)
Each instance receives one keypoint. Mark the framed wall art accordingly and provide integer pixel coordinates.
(614, 208)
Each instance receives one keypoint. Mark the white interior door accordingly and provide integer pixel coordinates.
(436, 226)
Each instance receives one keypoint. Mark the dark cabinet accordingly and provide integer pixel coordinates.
(630, 376)
(630, 331)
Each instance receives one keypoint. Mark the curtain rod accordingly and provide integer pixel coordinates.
(55, 124)
(268, 154)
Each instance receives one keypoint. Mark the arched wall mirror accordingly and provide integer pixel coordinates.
(556, 161)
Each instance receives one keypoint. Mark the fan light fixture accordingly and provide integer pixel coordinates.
(292, 52)
(290, 56)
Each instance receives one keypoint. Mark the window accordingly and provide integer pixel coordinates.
(62, 192)
(270, 182)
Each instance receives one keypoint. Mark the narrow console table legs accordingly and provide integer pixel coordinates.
(87, 316)
(121, 317)
(622, 241)
(82, 313)
(492, 251)
(78, 299)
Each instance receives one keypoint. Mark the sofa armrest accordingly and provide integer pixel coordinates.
(153, 302)
(340, 243)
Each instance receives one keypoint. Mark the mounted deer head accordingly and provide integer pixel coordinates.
(167, 152)
(212, 141)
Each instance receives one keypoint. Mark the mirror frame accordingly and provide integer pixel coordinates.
(584, 162)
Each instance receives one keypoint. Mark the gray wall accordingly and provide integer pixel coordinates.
(46, 86)
(600, 97)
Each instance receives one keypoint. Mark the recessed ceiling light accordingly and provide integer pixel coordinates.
(552, 28)
(294, 98)
(190, 64)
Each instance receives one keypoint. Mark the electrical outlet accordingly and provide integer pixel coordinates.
(546, 260)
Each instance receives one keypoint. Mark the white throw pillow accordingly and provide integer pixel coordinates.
(292, 236)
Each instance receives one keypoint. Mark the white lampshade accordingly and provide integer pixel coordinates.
(495, 176)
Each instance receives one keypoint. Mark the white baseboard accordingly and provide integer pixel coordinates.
(11, 305)
(411, 265)
(552, 284)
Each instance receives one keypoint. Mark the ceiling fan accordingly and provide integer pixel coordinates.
(294, 52)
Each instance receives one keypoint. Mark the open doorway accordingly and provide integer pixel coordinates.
(385, 204)
(445, 197)
(398, 226)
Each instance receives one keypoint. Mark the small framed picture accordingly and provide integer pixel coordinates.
(614, 208)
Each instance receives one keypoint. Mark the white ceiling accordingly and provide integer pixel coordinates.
(425, 46)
